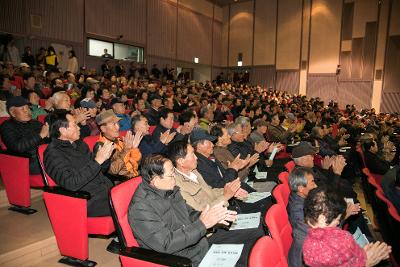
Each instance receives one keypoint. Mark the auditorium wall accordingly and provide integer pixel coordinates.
(334, 49)
(169, 30)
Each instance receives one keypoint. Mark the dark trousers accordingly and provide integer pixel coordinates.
(248, 237)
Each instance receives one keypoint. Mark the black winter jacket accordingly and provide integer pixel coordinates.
(71, 166)
(23, 137)
(162, 221)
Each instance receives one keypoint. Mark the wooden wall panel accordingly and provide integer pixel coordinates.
(288, 81)
(263, 76)
(392, 66)
(264, 32)
(347, 25)
(118, 17)
(13, 18)
(356, 58)
(241, 33)
(161, 35)
(369, 48)
(217, 44)
(323, 86)
(390, 102)
(289, 34)
(194, 37)
(325, 36)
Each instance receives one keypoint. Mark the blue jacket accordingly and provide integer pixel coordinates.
(125, 122)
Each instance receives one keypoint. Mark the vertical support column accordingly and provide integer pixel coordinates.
(383, 28)
(305, 26)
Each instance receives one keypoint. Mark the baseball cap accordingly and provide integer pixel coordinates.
(87, 103)
(303, 149)
(200, 134)
(106, 116)
(16, 101)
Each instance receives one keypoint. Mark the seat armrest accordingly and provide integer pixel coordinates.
(15, 154)
(69, 193)
(156, 257)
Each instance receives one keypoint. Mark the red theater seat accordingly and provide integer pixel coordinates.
(14, 170)
(281, 194)
(290, 166)
(67, 211)
(279, 227)
(131, 254)
(91, 141)
(266, 253)
(284, 177)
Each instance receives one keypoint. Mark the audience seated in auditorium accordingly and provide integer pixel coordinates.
(150, 144)
(328, 245)
(152, 114)
(330, 171)
(21, 134)
(224, 156)
(181, 230)
(36, 109)
(391, 186)
(118, 106)
(206, 117)
(194, 189)
(125, 159)
(374, 162)
(279, 134)
(70, 164)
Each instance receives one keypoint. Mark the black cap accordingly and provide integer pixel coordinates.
(303, 149)
(16, 101)
(200, 134)
(116, 100)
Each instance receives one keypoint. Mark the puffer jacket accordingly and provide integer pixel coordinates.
(23, 137)
(71, 166)
(162, 221)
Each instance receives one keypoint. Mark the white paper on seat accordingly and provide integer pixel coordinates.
(256, 196)
(246, 221)
(360, 238)
(260, 175)
(222, 255)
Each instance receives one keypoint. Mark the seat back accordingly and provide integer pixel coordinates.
(15, 175)
(279, 227)
(47, 180)
(290, 166)
(69, 222)
(281, 194)
(284, 177)
(91, 141)
(120, 197)
(266, 253)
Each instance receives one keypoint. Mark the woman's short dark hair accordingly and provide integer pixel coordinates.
(56, 120)
(72, 53)
(217, 130)
(177, 150)
(327, 202)
(152, 165)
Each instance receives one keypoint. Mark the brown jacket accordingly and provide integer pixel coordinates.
(198, 195)
(223, 155)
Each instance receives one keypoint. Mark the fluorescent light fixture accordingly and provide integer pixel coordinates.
(196, 60)
(240, 63)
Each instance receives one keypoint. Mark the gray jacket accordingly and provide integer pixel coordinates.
(162, 221)
(300, 229)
